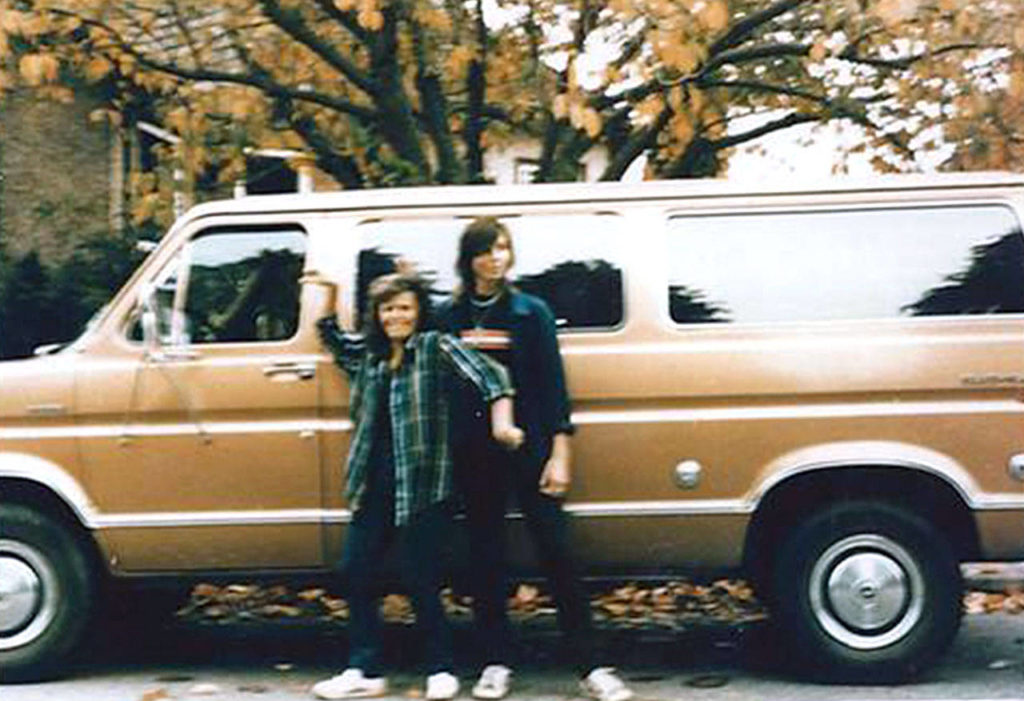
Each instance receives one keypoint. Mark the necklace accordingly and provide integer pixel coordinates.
(481, 307)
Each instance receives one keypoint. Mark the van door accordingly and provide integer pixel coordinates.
(216, 464)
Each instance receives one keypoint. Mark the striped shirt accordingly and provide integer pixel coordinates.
(418, 409)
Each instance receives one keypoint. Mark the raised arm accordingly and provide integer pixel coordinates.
(348, 349)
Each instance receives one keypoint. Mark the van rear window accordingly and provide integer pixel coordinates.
(853, 264)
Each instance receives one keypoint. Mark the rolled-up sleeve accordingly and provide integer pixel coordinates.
(348, 349)
(490, 378)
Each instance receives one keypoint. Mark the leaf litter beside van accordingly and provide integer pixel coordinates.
(669, 605)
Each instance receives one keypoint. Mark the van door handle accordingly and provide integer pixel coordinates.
(172, 354)
(286, 370)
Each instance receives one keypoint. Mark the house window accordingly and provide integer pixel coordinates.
(266, 175)
(526, 170)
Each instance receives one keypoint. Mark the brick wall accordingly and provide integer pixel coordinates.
(55, 165)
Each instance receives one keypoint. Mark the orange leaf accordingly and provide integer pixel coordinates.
(715, 15)
(97, 68)
(682, 128)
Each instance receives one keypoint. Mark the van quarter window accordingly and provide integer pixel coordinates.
(570, 261)
(243, 285)
(855, 264)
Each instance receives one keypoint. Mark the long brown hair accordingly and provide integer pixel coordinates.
(479, 237)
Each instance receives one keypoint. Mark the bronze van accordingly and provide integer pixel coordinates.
(820, 387)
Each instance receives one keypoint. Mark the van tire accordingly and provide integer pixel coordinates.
(47, 582)
(866, 591)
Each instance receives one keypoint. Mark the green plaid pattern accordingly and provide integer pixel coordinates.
(419, 410)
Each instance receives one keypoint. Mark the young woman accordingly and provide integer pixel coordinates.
(518, 331)
(399, 470)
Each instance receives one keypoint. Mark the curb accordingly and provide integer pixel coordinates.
(993, 576)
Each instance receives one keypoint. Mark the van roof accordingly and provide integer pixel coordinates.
(470, 195)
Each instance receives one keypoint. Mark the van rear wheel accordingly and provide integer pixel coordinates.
(46, 594)
(867, 591)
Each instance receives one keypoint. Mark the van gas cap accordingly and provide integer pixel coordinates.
(1017, 467)
(687, 474)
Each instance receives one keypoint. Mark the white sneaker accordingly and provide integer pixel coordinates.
(493, 683)
(350, 684)
(603, 684)
(442, 686)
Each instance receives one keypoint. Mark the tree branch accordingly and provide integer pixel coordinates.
(753, 53)
(739, 32)
(291, 22)
(434, 111)
(186, 32)
(397, 124)
(637, 143)
(849, 54)
(345, 19)
(344, 168)
(790, 120)
(476, 85)
(267, 85)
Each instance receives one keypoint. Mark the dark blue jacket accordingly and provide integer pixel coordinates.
(541, 400)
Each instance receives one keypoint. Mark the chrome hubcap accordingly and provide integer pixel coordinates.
(28, 594)
(19, 594)
(866, 591)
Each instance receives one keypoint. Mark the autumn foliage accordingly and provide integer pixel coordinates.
(381, 92)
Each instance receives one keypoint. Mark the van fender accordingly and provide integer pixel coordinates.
(880, 454)
(53, 477)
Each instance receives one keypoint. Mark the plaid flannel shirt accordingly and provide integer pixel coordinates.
(418, 409)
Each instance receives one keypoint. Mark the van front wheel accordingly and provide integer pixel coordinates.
(867, 591)
(46, 594)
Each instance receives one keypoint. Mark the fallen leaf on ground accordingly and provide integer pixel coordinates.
(311, 594)
(154, 695)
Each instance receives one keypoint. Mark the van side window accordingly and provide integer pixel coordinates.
(571, 261)
(243, 285)
(854, 264)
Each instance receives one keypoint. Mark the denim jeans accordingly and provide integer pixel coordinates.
(419, 543)
(486, 476)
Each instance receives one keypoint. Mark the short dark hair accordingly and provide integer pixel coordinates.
(478, 237)
(384, 289)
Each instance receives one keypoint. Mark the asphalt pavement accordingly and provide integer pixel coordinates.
(150, 659)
